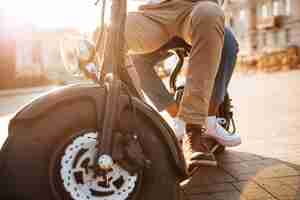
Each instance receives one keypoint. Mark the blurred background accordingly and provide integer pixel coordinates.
(268, 32)
(30, 34)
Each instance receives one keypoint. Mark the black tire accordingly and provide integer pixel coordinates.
(32, 144)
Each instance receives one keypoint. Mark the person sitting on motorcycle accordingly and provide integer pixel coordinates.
(161, 98)
(201, 24)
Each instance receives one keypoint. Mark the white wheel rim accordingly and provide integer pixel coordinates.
(79, 180)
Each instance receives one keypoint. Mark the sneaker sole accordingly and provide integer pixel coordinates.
(226, 143)
(195, 166)
(204, 163)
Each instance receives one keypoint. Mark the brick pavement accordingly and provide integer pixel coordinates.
(245, 176)
(267, 165)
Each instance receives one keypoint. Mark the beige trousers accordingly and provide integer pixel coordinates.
(200, 24)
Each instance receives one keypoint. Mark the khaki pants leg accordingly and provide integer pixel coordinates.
(144, 35)
(202, 25)
(154, 25)
(204, 30)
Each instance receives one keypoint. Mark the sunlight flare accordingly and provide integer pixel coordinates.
(80, 14)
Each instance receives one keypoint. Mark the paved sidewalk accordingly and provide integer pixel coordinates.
(245, 176)
(12, 100)
(25, 91)
(267, 165)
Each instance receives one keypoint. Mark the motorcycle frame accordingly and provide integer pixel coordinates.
(114, 58)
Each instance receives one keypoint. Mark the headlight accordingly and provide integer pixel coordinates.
(75, 51)
(69, 55)
(86, 50)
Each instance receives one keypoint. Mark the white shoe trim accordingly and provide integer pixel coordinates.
(204, 163)
(222, 136)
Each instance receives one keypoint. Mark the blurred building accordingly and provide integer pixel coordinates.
(7, 53)
(266, 28)
(30, 52)
(38, 52)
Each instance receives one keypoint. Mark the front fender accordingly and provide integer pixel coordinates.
(95, 93)
(43, 103)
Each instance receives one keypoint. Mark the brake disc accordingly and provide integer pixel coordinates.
(79, 178)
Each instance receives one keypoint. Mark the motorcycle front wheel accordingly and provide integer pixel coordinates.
(50, 158)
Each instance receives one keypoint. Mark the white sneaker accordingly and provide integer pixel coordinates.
(216, 131)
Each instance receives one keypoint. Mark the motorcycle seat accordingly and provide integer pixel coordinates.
(176, 43)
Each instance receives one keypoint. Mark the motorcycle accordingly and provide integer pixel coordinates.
(96, 141)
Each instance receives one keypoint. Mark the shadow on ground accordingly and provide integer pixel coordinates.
(245, 176)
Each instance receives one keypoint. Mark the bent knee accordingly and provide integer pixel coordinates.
(207, 13)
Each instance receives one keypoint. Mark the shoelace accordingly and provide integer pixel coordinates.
(202, 142)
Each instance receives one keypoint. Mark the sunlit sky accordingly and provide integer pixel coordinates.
(81, 14)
